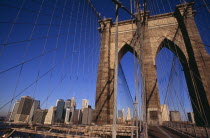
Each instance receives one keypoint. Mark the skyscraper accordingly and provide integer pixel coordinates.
(73, 103)
(123, 115)
(128, 117)
(68, 115)
(76, 117)
(175, 116)
(50, 117)
(164, 112)
(14, 110)
(35, 106)
(190, 116)
(84, 104)
(24, 109)
(87, 116)
(60, 110)
(39, 116)
(67, 104)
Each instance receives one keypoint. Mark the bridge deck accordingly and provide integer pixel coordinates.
(77, 131)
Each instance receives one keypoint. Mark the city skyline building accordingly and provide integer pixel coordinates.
(84, 104)
(67, 104)
(76, 116)
(68, 116)
(191, 118)
(128, 117)
(14, 110)
(175, 116)
(87, 116)
(24, 109)
(164, 112)
(59, 111)
(50, 117)
(35, 106)
(123, 115)
(73, 103)
(39, 116)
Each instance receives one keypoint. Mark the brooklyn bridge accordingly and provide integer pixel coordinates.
(115, 68)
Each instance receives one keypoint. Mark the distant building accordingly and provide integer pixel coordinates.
(87, 116)
(121, 116)
(164, 112)
(68, 116)
(175, 116)
(128, 117)
(84, 104)
(39, 116)
(73, 103)
(67, 104)
(76, 117)
(191, 118)
(50, 117)
(14, 110)
(24, 109)
(59, 111)
(35, 106)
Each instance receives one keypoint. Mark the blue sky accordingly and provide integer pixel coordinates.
(72, 46)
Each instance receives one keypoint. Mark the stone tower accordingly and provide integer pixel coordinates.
(176, 31)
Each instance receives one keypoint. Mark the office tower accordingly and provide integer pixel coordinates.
(87, 116)
(175, 116)
(35, 106)
(73, 103)
(50, 117)
(24, 109)
(67, 104)
(84, 104)
(128, 117)
(164, 112)
(76, 117)
(14, 110)
(59, 111)
(68, 115)
(119, 115)
(190, 116)
(39, 116)
(123, 115)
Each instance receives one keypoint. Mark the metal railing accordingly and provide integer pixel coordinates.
(188, 128)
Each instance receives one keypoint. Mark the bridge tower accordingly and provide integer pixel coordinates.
(176, 31)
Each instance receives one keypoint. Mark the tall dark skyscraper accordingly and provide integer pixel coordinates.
(24, 109)
(60, 109)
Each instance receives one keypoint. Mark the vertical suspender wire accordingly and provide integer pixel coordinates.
(20, 72)
(92, 46)
(89, 53)
(74, 41)
(13, 24)
(80, 41)
(89, 45)
(53, 58)
(85, 39)
(68, 34)
(133, 121)
(43, 50)
(115, 75)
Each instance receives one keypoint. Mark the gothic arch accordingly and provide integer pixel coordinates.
(199, 116)
(126, 48)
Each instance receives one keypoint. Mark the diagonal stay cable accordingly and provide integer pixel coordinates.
(50, 70)
(17, 65)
